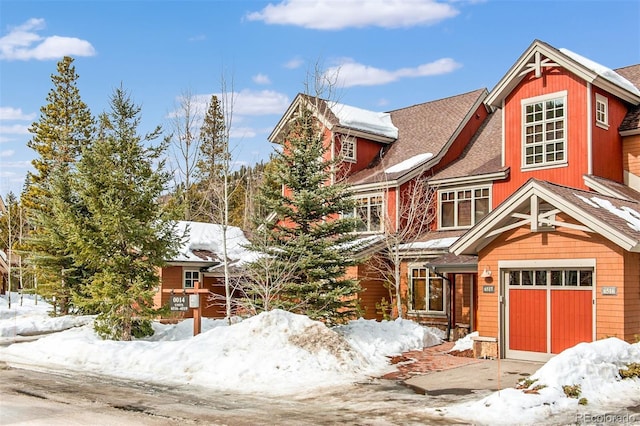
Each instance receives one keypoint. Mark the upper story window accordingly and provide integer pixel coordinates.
(544, 137)
(190, 278)
(602, 111)
(463, 208)
(369, 209)
(348, 150)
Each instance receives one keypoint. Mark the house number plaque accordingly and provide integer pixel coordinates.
(488, 289)
(609, 291)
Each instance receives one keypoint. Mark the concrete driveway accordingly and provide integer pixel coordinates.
(484, 374)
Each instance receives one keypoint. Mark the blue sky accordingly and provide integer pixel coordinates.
(390, 54)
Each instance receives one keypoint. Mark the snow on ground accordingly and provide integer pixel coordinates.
(275, 352)
(29, 316)
(594, 367)
(464, 343)
(280, 353)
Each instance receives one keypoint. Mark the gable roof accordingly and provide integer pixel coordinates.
(340, 118)
(425, 132)
(616, 219)
(540, 55)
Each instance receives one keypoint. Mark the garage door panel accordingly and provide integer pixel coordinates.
(572, 316)
(528, 320)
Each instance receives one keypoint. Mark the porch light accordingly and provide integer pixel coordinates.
(486, 273)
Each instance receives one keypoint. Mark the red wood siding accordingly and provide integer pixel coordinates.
(607, 143)
(171, 278)
(528, 320)
(631, 297)
(552, 81)
(571, 318)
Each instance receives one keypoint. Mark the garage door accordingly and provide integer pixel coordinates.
(547, 311)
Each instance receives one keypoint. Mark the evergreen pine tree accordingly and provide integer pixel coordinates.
(309, 232)
(123, 234)
(64, 129)
(210, 166)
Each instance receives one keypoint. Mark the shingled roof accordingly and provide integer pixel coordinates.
(427, 128)
(482, 155)
(632, 119)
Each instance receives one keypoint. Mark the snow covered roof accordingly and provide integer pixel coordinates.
(378, 123)
(603, 71)
(203, 243)
(409, 163)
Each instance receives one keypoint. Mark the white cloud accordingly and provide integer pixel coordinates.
(261, 79)
(24, 43)
(7, 153)
(9, 113)
(336, 15)
(351, 73)
(245, 102)
(294, 63)
(14, 129)
(242, 133)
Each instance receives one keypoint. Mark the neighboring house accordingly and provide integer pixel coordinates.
(535, 237)
(200, 258)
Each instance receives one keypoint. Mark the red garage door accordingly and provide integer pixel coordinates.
(547, 311)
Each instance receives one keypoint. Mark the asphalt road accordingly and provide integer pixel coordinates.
(30, 397)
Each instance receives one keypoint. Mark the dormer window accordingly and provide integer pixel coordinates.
(348, 150)
(544, 137)
(602, 111)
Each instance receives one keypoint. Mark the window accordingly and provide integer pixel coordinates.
(555, 277)
(369, 210)
(427, 291)
(463, 208)
(602, 111)
(190, 278)
(348, 150)
(544, 131)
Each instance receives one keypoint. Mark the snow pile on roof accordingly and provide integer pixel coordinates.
(207, 237)
(603, 71)
(409, 163)
(591, 368)
(439, 243)
(631, 216)
(276, 352)
(26, 318)
(378, 123)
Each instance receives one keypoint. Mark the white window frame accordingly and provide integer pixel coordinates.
(602, 111)
(427, 283)
(456, 191)
(369, 197)
(191, 279)
(353, 142)
(544, 132)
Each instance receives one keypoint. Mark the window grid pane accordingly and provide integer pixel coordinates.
(544, 137)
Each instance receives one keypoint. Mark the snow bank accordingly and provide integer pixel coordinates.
(275, 352)
(592, 366)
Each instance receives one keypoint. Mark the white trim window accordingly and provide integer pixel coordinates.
(463, 207)
(348, 148)
(602, 111)
(555, 277)
(190, 277)
(544, 136)
(427, 290)
(370, 210)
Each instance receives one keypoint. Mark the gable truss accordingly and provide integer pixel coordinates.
(537, 220)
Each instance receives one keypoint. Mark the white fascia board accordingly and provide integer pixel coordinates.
(632, 132)
(469, 180)
(616, 90)
(377, 186)
(602, 189)
(359, 133)
(469, 242)
(283, 120)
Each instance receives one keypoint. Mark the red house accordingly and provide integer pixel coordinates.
(534, 210)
